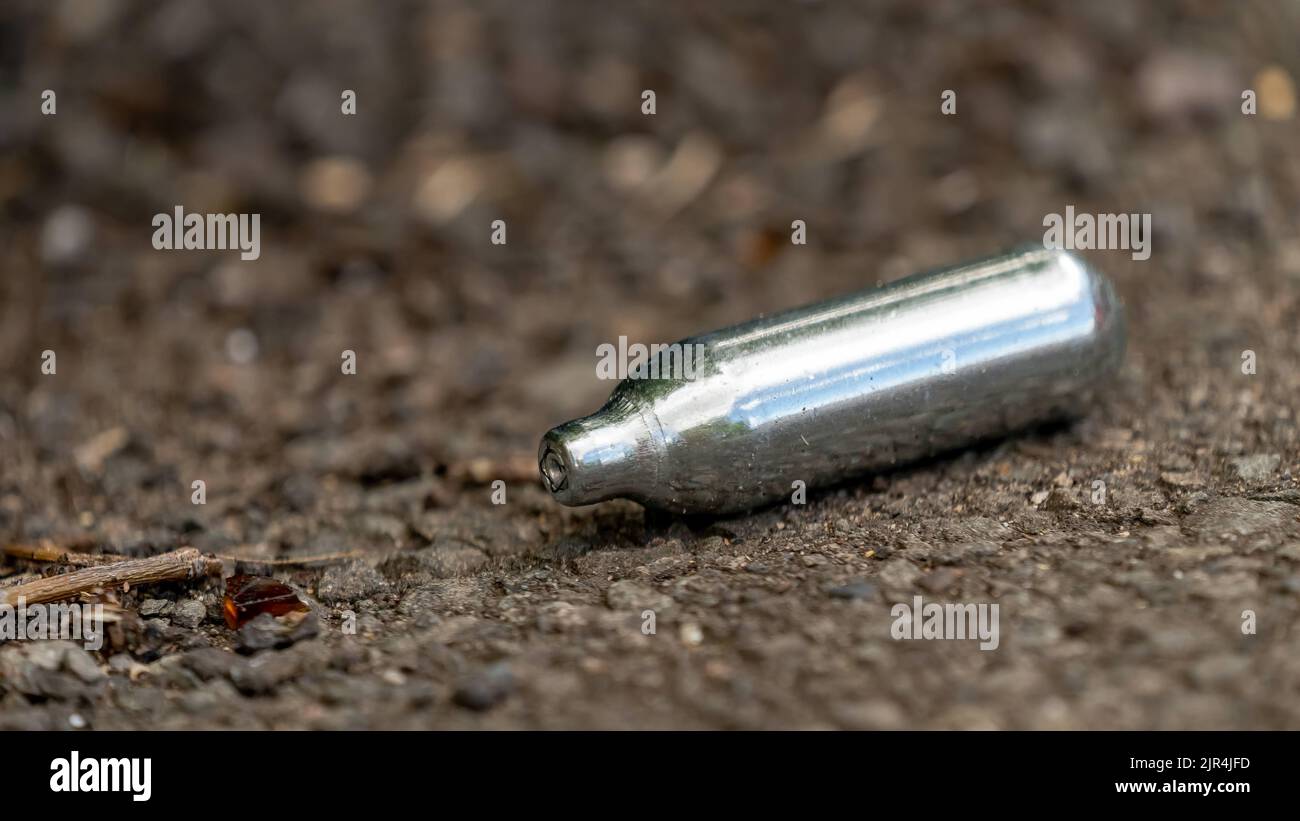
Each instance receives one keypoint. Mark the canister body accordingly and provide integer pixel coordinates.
(849, 386)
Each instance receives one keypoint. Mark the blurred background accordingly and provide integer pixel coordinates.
(375, 238)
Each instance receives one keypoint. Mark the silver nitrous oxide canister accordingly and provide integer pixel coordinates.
(861, 383)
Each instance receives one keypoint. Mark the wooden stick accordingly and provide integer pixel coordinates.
(516, 467)
(47, 551)
(178, 565)
(293, 561)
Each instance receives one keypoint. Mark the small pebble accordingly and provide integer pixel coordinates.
(67, 235)
(691, 634)
(630, 595)
(266, 632)
(189, 613)
(349, 582)
(485, 689)
(155, 607)
(82, 665)
(859, 589)
(1256, 468)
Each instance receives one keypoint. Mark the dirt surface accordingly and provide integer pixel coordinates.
(174, 366)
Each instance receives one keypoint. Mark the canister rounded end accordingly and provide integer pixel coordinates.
(555, 473)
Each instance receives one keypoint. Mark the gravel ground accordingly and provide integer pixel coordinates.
(1117, 612)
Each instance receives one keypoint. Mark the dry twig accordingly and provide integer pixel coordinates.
(48, 551)
(517, 467)
(317, 560)
(178, 565)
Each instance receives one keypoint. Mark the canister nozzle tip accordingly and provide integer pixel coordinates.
(555, 473)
